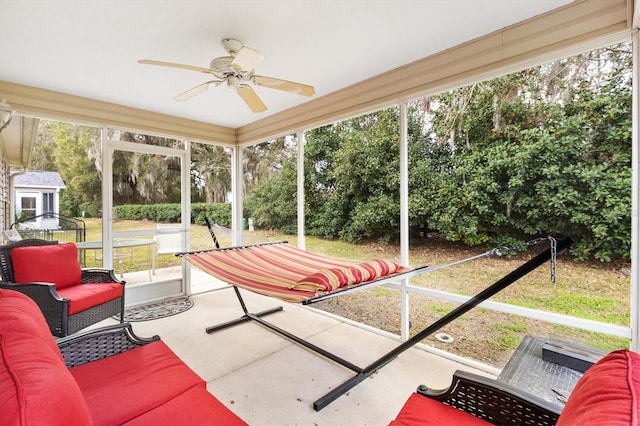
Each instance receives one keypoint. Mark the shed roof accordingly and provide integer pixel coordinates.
(39, 178)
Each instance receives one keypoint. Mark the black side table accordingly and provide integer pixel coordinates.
(527, 370)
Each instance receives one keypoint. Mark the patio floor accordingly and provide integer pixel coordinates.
(269, 380)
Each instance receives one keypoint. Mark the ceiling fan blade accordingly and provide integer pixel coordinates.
(287, 86)
(250, 97)
(246, 59)
(200, 88)
(173, 65)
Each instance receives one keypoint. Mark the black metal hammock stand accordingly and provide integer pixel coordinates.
(361, 373)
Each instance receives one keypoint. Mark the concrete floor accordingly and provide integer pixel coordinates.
(269, 380)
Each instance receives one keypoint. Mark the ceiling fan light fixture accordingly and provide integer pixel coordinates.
(233, 81)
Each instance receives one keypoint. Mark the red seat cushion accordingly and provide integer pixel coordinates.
(57, 263)
(194, 407)
(422, 411)
(607, 394)
(85, 296)
(120, 388)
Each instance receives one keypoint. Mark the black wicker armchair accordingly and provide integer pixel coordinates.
(54, 307)
(607, 394)
(493, 401)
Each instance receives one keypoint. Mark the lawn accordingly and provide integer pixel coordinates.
(594, 291)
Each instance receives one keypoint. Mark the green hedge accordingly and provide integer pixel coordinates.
(219, 213)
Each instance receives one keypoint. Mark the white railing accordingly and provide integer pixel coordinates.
(566, 320)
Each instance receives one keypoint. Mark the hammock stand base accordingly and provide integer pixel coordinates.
(244, 318)
(257, 317)
(363, 373)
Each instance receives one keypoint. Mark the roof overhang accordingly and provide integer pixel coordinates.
(17, 140)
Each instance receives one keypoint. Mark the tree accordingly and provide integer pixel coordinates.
(75, 157)
(273, 202)
(351, 182)
(543, 150)
(211, 172)
(362, 200)
(140, 178)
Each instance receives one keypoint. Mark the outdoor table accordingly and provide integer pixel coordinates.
(527, 370)
(120, 252)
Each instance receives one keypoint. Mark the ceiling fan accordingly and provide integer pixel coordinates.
(237, 71)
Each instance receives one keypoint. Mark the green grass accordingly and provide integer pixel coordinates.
(508, 335)
(595, 340)
(594, 307)
(437, 308)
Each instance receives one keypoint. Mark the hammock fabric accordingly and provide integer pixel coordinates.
(283, 271)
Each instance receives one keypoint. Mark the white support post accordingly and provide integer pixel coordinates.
(635, 197)
(404, 219)
(185, 214)
(237, 194)
(107, 200)
(185, 193)
(300, 185)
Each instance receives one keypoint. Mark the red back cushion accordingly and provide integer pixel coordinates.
(56, 264)
(36, 386)
(20, 314)
(607, 394)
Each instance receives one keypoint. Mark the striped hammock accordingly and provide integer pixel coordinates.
(286, 272)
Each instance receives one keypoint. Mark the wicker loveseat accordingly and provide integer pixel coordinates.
(71, 298)
(106, 376)
(607, 394)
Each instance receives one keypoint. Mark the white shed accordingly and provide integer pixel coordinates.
(36, 193)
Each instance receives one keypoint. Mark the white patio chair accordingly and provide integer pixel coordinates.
(167, 243)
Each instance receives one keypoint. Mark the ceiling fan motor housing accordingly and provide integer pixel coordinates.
(222, 69)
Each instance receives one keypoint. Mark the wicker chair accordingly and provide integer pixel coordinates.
(53, 306)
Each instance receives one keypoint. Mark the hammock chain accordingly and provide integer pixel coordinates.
(553, 246)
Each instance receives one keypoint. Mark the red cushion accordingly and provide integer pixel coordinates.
(422, 411)
(194, 407)
(36, 386)
(85, 296)
(607, 394)
(57, 263)
(120, 388)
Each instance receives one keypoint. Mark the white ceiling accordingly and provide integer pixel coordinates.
(90, 48)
